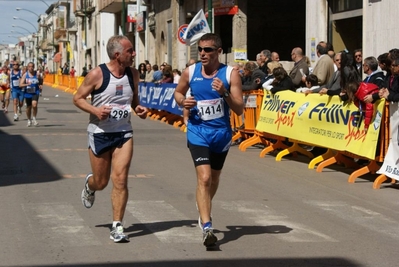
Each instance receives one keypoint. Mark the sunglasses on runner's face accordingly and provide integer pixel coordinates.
(206, 49)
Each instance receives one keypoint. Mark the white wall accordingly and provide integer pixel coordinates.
(105, 31)
(380, 27)
(316, 25)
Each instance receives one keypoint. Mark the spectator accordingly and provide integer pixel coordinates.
(350, 78)
(84, 72)
(311, 83)
(149, 76)
(358, 60)
(265, 57)
(324, 68)
(167, 77)
(157, 76)
(281, 81)
(254, 76)
(300, 67)
(176, 76)
(65, 69)
(72, 72)
(266, 83)
(275, 56)
(258, 59)
(142, 72)
(333, 87)
(384, 62)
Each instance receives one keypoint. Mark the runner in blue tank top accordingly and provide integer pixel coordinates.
(215, 89)
(30, 81)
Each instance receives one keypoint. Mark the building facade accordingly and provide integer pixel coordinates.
(76, 31)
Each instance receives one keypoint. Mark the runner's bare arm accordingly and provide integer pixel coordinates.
(138, 109)
(235, 99)
(91, 82)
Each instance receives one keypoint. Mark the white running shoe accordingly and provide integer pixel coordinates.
(29, 123)
(117, 234)
(87, 198)
(35, 122)
(16, 118)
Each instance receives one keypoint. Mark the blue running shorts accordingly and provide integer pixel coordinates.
(103, 142)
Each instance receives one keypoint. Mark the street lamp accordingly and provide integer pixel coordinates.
(17, 18)
(18, 9)
(27, 22)
(37, 38)
(23, 34)
(45, 3)
(15, 26)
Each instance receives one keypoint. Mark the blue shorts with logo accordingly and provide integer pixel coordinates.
(217, 140)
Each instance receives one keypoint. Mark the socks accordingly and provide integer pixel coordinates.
(114, 223)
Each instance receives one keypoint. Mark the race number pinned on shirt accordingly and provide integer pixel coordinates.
(119, 112)
(15, 83)
(210, 109)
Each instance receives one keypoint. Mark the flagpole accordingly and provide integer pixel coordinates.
(210, 7)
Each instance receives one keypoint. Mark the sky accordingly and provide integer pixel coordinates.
(23, 27)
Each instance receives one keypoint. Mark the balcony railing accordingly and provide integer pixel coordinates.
(84, 8)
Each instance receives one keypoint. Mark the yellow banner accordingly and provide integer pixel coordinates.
(320, 120)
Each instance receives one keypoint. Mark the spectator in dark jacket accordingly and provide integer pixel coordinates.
(375, 76)
(281, 81)
(253, 77)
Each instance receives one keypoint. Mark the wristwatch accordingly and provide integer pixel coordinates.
(226, 93)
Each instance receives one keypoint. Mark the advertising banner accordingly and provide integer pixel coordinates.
(159, 96)
(320, 120)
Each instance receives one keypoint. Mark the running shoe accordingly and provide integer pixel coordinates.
(5, 110)
(16, 118)
(117, 234)
(29, 123)
(35, 122)
(208, 237)
(87, 198)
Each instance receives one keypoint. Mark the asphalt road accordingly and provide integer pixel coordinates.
(266, 213)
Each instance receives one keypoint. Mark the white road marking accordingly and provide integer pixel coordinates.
(262, 215)
(167, 223)
(364, 217)
(59, 224)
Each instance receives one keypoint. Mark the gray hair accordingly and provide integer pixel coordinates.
(114, 45)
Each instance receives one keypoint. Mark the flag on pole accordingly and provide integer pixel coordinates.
(197, 27)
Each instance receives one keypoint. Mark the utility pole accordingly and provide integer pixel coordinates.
(123, 20)
(210, 15)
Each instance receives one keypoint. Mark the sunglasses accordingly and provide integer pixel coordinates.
(358, 55)
(394, 65)
(206, 49)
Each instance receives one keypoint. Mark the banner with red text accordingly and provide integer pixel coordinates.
(320, 120)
